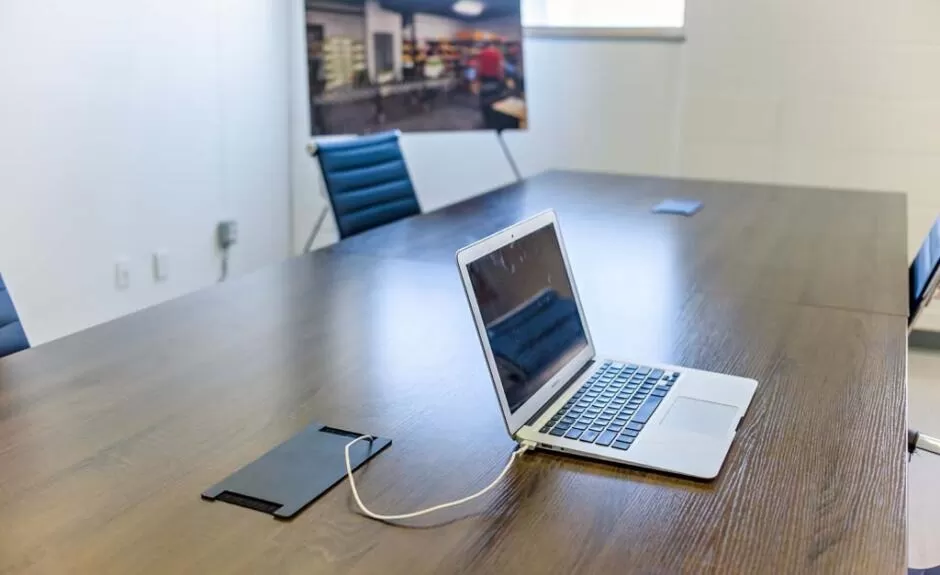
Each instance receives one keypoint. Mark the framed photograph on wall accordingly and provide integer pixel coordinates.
(415, 65)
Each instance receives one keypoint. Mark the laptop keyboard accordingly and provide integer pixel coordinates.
(612, 406)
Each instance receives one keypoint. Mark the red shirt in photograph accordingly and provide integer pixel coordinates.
(490, 63)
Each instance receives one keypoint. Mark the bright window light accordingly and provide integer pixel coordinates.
(603, 13)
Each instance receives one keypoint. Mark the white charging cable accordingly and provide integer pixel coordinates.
(352, 483)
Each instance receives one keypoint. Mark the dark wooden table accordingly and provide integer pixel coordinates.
(108, 437)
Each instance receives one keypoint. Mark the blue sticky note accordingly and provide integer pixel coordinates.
(678, 207)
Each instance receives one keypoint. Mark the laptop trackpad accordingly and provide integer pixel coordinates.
(698, 416)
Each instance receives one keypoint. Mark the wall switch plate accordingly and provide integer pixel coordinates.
(122, 274)
(161, 266)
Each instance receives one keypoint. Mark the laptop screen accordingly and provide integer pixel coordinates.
(529, 310)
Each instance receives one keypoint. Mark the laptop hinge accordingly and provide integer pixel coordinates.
(561, 391)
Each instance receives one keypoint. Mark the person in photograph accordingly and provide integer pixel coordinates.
(491, 74)
(491, 63)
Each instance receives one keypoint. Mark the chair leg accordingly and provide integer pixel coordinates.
(316, 229)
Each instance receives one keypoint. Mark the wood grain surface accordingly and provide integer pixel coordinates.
(108, 437)
(802, 245)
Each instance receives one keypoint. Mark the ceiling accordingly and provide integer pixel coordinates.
(493, 8)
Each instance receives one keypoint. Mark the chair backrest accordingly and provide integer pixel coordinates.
(12, 336)
(923, 276)
(367, 182)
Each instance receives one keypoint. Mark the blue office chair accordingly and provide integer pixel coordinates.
(923, 276)
(367, 183)
(12, 336)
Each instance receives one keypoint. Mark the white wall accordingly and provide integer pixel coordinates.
(837, 93)
(129, 127)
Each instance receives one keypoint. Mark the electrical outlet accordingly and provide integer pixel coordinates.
(122, 274)
(227, 234)
(161, 266)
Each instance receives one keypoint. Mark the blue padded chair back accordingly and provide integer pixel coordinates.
(922, 275)
(367, 182)
(12, 336)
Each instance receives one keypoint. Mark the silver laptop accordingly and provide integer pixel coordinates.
(555, 393)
